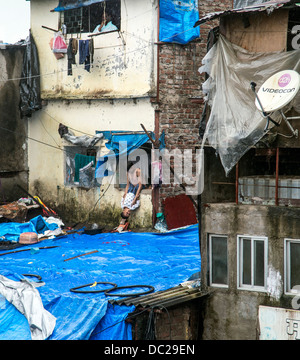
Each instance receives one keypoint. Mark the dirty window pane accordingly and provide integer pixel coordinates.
(246, 243)
(259, 263)
(219, 260)
(295, 264)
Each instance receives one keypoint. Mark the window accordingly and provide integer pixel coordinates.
(218, 266)
(80, 166)
(145, 167)
(86, 18)
(292, 264)
(252, 263)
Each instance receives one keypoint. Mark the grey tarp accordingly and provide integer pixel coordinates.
(235, 124)
(24, 296)
(245, 3)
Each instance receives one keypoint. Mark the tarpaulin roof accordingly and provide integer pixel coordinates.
(266, 6)
(159, 260)
(74, 4)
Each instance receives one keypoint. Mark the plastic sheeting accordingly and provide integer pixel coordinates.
(30, 88)
(177, 19)
(121, 143)
(11, 231)
(245, 3)
(74, 4)
(25, 297)
(160, 260)
(235, 124)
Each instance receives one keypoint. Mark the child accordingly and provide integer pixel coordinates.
(132, 192)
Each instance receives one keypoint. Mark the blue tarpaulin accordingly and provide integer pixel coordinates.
(127, 142)
(177, 20)
(158, 260)
(74, 4)
(11, 231)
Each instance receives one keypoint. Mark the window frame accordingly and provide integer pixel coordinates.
(287, 266)
(251, 287)
(211, 283)
(88, 18)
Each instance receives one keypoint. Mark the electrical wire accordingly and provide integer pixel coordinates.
(150, 327)
(109, 57)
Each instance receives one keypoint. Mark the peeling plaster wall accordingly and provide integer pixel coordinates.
(230, 313)
(115, 95)
(118, 70)
(47, 163)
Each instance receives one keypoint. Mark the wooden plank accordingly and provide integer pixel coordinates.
(75, 257)
(265, 33)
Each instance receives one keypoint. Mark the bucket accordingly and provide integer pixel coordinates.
(28, 238)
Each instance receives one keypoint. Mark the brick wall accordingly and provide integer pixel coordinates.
(181, 322)
(180, 89)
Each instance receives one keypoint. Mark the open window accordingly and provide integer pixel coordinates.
(270, 176)
(126, 149)
(85, 19)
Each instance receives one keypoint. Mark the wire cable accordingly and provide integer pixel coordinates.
(109, 57)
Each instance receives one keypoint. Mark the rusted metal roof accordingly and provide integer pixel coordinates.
(268, 6)
(163, 299)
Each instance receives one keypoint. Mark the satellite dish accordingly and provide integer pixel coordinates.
(278, 91)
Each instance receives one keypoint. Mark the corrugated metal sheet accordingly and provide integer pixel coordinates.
(267, 6)
(163, 299)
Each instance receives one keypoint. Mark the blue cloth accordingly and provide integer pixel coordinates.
(108, 27)
(160, 260)
(84, 54)
(12, 231)
(177, 20)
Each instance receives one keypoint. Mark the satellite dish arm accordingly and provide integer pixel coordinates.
(253, 86)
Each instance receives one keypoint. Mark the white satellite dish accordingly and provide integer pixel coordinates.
(276, 93)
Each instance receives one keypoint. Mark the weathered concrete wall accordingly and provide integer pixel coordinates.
(47, 163)
(231, 313)
(114, 95)
(13, 150)
(118, 70)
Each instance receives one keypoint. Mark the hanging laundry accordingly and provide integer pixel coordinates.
(84, 54)
(71, 52)
(58, 45)
(91, 49)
